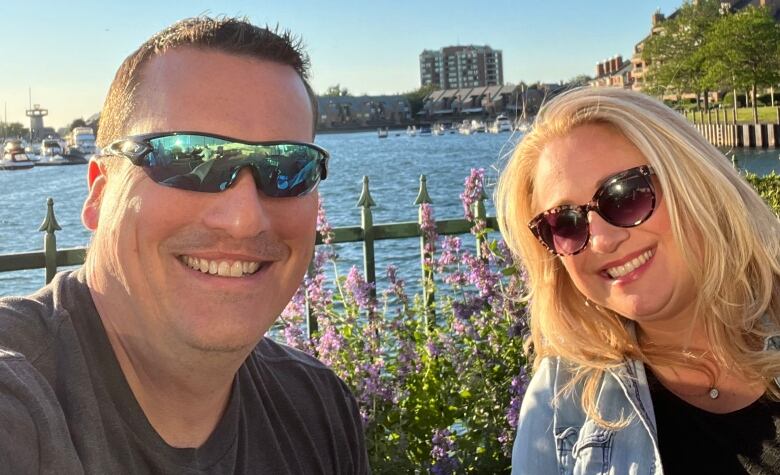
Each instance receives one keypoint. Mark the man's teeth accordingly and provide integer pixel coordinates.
(221, 268)
(620, 271)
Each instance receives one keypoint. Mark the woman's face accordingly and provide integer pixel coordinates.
(636, 272)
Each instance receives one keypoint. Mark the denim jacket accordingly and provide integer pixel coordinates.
(561, 440)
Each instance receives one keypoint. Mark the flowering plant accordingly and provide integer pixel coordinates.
(439, 381)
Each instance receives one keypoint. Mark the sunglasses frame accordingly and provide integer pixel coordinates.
(143, 147)
(644, 171)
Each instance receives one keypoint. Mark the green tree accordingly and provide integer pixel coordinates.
(580, 80)
(675, 51)
(336, 91)
(14, 129)
(417, 97)
(743, 50)
(77, 123)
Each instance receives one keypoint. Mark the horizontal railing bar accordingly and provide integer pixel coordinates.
(410, 229)
(36, 260)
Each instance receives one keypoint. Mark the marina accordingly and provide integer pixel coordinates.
(393, 166)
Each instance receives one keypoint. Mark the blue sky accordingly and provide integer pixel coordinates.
(68, 51)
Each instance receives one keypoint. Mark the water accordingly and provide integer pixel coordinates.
(393, 166)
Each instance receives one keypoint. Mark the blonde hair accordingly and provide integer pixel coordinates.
(728, 237)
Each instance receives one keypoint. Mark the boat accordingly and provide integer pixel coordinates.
(411, 131)
(83, 140)
(382, 133)
(437, 129)
(14, 157)
(477, 126)
(465, 127)
(501, 124)
(425, 130)
(50, 147)
(522, 126)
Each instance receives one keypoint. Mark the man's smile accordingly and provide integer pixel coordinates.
(222, 268)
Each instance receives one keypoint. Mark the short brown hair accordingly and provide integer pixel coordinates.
(230, 35)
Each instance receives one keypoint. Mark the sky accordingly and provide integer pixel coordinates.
(66, 52)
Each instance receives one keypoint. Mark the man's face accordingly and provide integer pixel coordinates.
(150, 237)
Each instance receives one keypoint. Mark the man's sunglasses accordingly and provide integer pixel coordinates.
(626, 199)
(210, 163)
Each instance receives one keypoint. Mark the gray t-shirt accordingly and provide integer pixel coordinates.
(65, 406)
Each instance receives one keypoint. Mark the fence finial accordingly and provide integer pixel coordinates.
(365, 200)
(49, 224)
(423, 196)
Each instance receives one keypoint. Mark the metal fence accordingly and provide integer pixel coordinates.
(51, 258)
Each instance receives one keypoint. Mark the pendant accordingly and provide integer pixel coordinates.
(714, 393)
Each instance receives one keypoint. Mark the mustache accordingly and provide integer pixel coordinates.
(264, 245)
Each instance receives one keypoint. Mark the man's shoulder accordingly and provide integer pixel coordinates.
(28, 323)
(34, 436)
(297, 370)
(275, 353)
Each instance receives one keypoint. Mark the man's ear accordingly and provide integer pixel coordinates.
(96, 180)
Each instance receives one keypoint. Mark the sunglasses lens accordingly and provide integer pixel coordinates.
(210, 164)
(565, 232)
(627, 202)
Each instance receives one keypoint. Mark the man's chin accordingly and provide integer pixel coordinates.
(226, 346)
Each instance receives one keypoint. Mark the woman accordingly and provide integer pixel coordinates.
(654, 277)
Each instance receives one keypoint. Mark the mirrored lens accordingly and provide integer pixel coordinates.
(627, 202)
(210, 164)
(566, 231)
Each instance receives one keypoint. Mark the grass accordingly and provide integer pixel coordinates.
(766, 115)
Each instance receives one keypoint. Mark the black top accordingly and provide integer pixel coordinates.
(692, 440)
(66, 407)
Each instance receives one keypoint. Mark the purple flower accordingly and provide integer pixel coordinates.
(323, 226)
(360, 290)
(329, 345)
(473, 191)
(442, 453)
(428, 229)
(465, 310)
(517, 391)
(397, 286)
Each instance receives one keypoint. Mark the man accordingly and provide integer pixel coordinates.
(152, 358)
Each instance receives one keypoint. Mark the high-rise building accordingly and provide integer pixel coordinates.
(462, 66)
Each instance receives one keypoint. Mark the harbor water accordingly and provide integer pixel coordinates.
(393, 166)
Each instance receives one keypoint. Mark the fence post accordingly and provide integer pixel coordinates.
(311, 320)
(480, 216)
(49, 226)
(367, 224)
(427, 272)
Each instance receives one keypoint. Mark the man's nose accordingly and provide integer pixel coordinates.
(605, 238)
(241, 211)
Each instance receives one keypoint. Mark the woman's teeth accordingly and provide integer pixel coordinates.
(620, 271)
(221, 268)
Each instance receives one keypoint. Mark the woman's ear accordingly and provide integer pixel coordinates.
(96, 181)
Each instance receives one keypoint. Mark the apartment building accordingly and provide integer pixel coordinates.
(455, 67)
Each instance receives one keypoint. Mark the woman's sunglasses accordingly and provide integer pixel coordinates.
(210, 163)
(626, 200)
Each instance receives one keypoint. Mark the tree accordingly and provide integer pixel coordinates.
(336, 91)
(77, 123)
(743, 50)
(14, 129)
(417, 97)
(675, 52)
(580, 80)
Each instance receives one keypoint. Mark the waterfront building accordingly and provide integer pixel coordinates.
(454, 105)
(355, 112)
(614, 72)
(455, 67)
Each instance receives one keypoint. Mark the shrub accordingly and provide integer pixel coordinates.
(439, 383)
